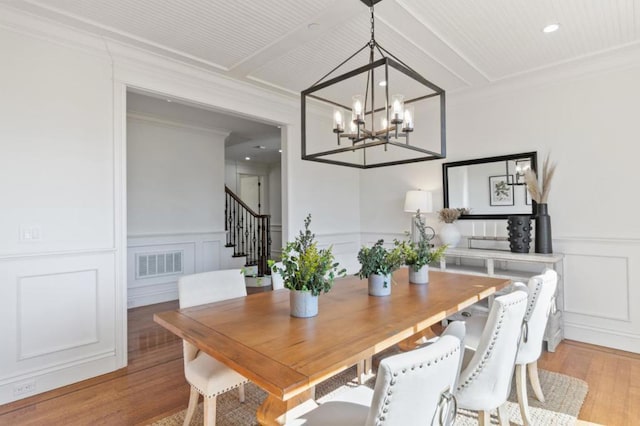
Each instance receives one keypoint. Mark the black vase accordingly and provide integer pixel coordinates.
(543, 230)
(519, 227)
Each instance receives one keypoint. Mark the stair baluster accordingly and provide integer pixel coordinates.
(247, 232)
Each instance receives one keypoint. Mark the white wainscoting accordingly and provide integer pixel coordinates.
(601, 283)
(57, 321)
(345, 248)
(201, 252)
(601, 291)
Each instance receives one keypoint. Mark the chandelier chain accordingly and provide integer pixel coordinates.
(373, 32)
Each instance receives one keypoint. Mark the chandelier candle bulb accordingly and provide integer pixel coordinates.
(338, 123)
(357, 109)
(409, 117)
(397, 108)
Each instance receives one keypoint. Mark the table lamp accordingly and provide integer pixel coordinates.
(418, 202)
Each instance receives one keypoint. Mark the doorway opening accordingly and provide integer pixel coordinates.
(181, 159)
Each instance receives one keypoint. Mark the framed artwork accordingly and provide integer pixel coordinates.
(500, 192)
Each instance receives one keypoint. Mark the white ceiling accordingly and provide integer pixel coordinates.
(289, 44)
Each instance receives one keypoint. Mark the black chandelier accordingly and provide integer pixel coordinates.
(376, 129)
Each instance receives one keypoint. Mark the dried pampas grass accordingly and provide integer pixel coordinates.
(540, 192)
(449, 215)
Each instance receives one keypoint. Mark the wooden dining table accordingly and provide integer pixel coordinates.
(287, 356)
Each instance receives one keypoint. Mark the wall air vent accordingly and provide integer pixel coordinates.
(157, 264)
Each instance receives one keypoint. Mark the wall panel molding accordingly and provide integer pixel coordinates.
(45, 327)
(602, 279)
(612, 273)
(44, 301)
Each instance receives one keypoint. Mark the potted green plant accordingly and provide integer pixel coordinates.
(377, 264)
(418, 255)
(307, 271)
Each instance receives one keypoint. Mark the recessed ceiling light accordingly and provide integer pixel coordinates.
(169, 100)
(382, 83)
(280, 151)
(551, 28)
(247, 158)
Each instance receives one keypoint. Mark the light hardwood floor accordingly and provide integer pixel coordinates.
(153, 384)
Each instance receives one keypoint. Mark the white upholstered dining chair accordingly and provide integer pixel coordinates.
(207, 376)
(412, 388)
(485, 379)
(541, 290)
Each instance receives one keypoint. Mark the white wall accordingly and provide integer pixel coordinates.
(63, 167)
(175, 201)
(233, 171)
(175, 178)
(57, 292)
(589, 124)
(275, 202)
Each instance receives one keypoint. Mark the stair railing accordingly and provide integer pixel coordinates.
(248, 232)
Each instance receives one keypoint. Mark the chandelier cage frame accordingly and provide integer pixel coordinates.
(363, 138)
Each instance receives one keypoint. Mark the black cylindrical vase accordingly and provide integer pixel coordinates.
(519, 227)
(543, 230)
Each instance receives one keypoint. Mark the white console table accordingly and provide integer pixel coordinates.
(516, 266)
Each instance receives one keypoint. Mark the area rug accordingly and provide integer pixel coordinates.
(564, 396)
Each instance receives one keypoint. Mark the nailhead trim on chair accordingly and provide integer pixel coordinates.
(381, 418)
(201, 392)
(489, 352)
(534, 299)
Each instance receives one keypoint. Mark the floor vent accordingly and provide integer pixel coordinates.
(157, 264)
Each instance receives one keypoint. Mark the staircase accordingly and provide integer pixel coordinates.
(248, 233)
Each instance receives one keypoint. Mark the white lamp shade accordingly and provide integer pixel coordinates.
(418, 200)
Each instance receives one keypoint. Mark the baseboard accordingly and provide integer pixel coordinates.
(158, 293)
(59, 376)
(612, 339)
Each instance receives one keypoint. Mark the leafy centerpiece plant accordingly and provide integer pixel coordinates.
(418, 255)
(307, 271)
(377, 264)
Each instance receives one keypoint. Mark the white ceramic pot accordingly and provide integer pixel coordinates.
(450, 235)
(379, 285)
(303, 304)
(421, 276)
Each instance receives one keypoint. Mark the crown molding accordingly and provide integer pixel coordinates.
(624, 57)
(133, 64)
(155, 119)
(25, 23)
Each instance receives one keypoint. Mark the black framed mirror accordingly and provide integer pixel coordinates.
(491, 188)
